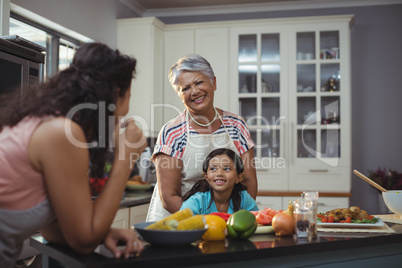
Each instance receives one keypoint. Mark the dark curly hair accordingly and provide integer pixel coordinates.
(94, 76)
(203, 185)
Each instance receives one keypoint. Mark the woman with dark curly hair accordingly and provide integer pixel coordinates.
(221, 191)
(53, 138)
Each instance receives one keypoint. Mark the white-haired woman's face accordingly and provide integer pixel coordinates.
(196, 91)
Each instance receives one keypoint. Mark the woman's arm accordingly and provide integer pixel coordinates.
(64, 162)
(250, 174)
(168, 174)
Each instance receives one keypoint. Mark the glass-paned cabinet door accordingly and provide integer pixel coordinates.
(317, 88)
(259, 92)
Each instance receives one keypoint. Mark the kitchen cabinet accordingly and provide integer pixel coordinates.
(292, 85)
(128, 216)
(121, 220)
(281, 202)
(157, 47)
(289, 78)
(138, 213)
(143, 39)
(209, 41)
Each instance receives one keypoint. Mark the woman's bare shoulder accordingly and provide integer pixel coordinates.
(59, 125)
(54, 135)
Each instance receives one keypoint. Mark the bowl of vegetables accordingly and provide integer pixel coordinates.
(168, 237)
(393, 200)
(178, 229)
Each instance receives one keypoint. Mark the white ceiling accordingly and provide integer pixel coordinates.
(157, 4)
(165, 8)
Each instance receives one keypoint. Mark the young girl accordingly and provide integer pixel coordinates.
(221, 191)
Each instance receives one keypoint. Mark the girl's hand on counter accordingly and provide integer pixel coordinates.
(132, 243)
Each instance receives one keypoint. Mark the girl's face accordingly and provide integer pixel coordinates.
(196, 91)
(221, 174)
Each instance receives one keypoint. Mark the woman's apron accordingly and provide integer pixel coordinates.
(197, 149)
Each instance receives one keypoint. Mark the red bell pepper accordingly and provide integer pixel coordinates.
(223, 215)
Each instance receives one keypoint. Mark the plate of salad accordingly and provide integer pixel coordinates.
(370, 221)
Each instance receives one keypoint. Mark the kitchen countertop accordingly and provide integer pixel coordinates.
(135, 198)
(351, 248)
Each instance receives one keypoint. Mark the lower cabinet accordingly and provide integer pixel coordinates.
(138, 213)
(281, 202)
(121, 220)
(126, 217)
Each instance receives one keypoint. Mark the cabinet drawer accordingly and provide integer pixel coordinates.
(121, 219)
(324, 203)
(326, 179)
(281, 202)
(329, 203)
(274, 202)
(138, 214)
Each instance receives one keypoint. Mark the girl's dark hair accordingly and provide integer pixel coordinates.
(94, 76)
(203, 186)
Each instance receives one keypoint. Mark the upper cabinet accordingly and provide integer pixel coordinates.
(288, 78)
(144, 39)
(211, 42)
(292, 85)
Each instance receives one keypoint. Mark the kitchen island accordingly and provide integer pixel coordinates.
(330, 249)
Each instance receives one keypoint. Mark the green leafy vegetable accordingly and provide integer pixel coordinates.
(372, 221)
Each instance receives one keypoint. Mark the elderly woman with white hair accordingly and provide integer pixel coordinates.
(185, 141)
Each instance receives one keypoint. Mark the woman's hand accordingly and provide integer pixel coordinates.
(168, 174)
(133, 244)
(130, 141)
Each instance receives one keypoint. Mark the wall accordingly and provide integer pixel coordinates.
(376, 40)
(95, 19)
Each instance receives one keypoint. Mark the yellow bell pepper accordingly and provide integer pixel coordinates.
(216, 228)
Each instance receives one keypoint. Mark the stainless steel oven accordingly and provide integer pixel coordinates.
(21, 63)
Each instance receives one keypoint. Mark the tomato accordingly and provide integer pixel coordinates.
(265, 215)
(263, 218)
(271, 212)
(255, 213)
(324, 219)
(216, 228)
(331, 219)
(348, 220)
(223, 215)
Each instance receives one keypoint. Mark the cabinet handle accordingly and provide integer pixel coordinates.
(318, 170)
(292, 143)
(285, 152)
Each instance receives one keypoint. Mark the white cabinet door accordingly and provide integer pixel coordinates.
(291, 82)
(121, 220)
(319, 178)
(259, 87)
(143, 39)
(324, 203)
(178, 43)
(138, 214)
(274, 202)
(212, 44)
